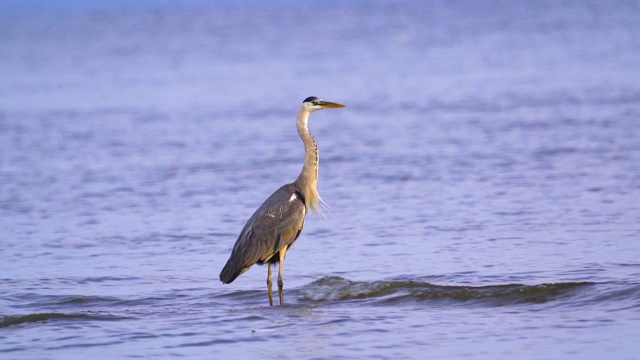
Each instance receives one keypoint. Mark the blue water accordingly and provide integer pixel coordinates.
(483, 180)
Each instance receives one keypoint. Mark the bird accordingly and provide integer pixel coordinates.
(276, 225)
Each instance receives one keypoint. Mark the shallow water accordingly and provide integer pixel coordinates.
(483, 180)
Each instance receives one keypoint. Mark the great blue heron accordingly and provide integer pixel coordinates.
(278, 222)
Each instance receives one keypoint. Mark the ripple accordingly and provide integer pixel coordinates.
(11, 320)
(329, 289)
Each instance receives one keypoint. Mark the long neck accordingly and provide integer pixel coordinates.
(308, 179)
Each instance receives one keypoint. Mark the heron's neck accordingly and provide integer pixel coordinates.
(308, 179)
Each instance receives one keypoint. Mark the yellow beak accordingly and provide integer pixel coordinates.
(331, 105)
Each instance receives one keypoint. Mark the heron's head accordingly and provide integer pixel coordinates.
(313, 103)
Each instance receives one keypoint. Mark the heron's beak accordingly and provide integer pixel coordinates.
(330, 105)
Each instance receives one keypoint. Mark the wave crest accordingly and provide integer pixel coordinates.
(393, 291)
(10, 320)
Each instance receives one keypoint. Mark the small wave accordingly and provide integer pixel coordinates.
(394, 291)
(10, 320)
(56, 301)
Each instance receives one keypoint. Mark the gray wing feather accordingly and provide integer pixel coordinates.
(276, 223)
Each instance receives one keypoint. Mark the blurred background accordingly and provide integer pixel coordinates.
(484, 144)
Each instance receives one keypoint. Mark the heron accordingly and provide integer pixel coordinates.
(276, 225)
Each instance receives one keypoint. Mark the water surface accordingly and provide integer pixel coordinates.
(483, 180)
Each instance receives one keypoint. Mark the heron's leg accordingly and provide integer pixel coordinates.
(269, 284)
(283, 251)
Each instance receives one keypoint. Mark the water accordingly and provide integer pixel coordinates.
(483, 179)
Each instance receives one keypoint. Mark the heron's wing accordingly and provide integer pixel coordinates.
(276, 223)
